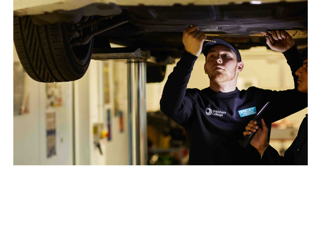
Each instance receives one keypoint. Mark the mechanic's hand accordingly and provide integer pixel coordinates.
(193, 40)
(279, 40)
(259, 141)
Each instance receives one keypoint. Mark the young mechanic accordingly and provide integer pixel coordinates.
(297, 153)
(215, 117)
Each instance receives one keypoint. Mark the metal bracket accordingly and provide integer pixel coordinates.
(129, 53)
(88, 37)
(120, 53)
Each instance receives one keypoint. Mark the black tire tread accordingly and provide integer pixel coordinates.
(44, 52)
(22, 44)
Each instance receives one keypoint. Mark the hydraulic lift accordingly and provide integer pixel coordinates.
(137, 79)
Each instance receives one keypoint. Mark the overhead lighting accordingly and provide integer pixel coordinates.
(255, 2)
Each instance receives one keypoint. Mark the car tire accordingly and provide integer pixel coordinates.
(46, 54)
(155, 73)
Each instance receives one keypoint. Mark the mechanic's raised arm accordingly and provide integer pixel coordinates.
(175, 102)
(193, 40)
(286, 102)
(281, 41)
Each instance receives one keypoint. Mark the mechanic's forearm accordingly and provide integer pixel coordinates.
(263, 147)
(288, 102)
(176, 85)
(293, 59)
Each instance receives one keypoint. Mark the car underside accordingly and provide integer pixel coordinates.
(80, 34)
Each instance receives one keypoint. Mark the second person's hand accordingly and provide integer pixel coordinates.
(260, 139)
(278, 40)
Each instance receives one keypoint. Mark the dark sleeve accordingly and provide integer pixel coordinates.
(293, 59)
(272, 157)
(175, 102)
(297, 153)
(287, 102)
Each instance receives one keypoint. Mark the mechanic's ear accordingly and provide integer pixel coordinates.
(205, 68)
(240, 66)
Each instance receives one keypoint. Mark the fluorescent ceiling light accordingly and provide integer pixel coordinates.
(255, 2)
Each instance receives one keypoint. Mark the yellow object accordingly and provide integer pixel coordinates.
(104, 134)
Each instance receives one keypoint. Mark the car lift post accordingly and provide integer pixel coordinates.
(137, 115)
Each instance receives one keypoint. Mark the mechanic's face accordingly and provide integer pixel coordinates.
(222, 64)
(302, 74)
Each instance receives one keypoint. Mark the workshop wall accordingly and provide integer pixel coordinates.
(42, 130)
(116, 113)
(101, 100)
(44, 134)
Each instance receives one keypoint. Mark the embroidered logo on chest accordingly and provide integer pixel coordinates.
(247, 112)
(214, 112)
